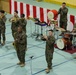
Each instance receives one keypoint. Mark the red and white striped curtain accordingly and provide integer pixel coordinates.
(34, 11)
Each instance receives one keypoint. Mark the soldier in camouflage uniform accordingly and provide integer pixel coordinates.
(15, 22)
(20, 44)
(23, 22)
(50, 40)
(2, 26)
(63, 15)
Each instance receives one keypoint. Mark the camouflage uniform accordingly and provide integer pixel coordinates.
(2, 28)
(23, 23)
(63, 17)
(49, 51)
(20, 45)
(14, 26)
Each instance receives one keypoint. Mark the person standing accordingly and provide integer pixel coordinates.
(20, 44)
(15, 22)
(2, 26)
(23, 23)
(63, 16)
(50, 40)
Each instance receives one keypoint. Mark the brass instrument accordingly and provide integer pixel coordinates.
(14, 19)
(54, 21)
(14, 44)
(31, 18)
(60, 29)
(0, 17)
(42, 38)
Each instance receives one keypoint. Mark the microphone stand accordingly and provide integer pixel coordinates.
(31, 64)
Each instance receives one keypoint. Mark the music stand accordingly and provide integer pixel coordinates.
(30, 35)
(36, 28)
(31, 64)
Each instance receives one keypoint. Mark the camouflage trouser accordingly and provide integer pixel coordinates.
(24, 30)
(49, 57)
(21, 55)
(63, 24)
(2, 32)
(26, 42)
(13, 32)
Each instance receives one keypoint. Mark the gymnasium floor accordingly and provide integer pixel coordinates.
(63, 63)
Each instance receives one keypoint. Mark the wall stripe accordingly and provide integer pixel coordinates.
(15, 5)
(24, 9)
(12, 8)
(45, 14)
(35, 11)
(27, 10)
(18, 8)
(21, 8)
(38, 12)
(41, 15)
(31, 10)
(72, 19)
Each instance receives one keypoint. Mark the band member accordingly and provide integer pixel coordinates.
(2, 26)
(63, 15)
(15, 22)
(50, 40)
(20, 44)
(23, 22)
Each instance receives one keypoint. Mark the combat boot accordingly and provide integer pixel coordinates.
(3, 43)
(47, 70)
(22, 65)
(19, 63)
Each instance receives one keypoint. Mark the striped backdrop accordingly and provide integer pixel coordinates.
(34, 11)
